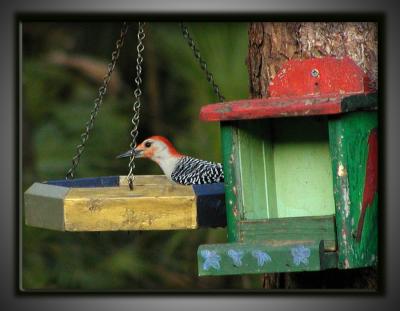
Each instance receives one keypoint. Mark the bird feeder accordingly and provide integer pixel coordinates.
(107, 204)
(300, 173)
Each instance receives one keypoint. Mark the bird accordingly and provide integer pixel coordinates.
(178, 168)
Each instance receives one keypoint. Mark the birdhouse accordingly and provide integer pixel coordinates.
(300, 173)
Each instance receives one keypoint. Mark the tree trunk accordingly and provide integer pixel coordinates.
(270, 45)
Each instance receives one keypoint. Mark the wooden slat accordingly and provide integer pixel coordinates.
(144, 180)
(151, 206)
(107, 181)
(282, 107)
(122, 212)
(229, 138)
(271, 108)
(349, 145)
(266, 257)
(291, 228)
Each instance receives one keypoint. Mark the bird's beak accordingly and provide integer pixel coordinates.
(138, 153)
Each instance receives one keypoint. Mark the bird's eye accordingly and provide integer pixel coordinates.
(147, 144)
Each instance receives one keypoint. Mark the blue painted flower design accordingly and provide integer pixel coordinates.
(211, 259)
(236, 257)
(300, 255)
(262, 257)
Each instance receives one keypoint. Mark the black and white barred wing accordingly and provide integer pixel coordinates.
(191, 171)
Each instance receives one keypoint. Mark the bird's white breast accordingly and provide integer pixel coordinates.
(167, 163)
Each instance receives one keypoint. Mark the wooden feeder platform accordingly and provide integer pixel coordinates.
(107, 204)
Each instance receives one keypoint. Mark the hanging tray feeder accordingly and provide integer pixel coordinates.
(107, 203)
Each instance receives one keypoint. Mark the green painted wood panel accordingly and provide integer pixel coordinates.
(290, 229)
(229, 143)
(256, 163)
(349, 148)
(303, 174)
(248, 258)
(283, 168)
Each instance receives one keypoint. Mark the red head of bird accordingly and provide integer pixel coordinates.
(160, 150)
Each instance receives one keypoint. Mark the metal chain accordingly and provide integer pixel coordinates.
(201, 61)
(98, 101)
(136, 104)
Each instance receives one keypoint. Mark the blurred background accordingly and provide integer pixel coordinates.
(63, 65)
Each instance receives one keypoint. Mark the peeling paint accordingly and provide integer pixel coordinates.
(231, 159)
(341, 170)
(235, 210)
(234, 190)
(346, 200)
(344, 236)
(349, 150)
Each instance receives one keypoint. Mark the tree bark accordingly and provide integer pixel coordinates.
(270, 45)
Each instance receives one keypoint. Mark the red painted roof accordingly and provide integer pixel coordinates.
(302, 87)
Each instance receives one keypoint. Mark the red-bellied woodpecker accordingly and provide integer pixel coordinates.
(177, 167)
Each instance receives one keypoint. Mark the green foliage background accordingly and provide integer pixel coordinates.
(56, 102)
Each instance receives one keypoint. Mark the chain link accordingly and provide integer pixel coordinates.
(136, 105)
(97, 102)
(203, 64)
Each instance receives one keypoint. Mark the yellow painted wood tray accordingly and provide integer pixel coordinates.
(107, 204)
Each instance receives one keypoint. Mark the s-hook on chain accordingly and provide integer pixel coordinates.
(98, 101)
(136, 104)
(203, 64)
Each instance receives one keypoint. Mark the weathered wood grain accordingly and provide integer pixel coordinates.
(290, 228)
(229, 139)
(147, 207)
(257, 171)
(349, 151)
